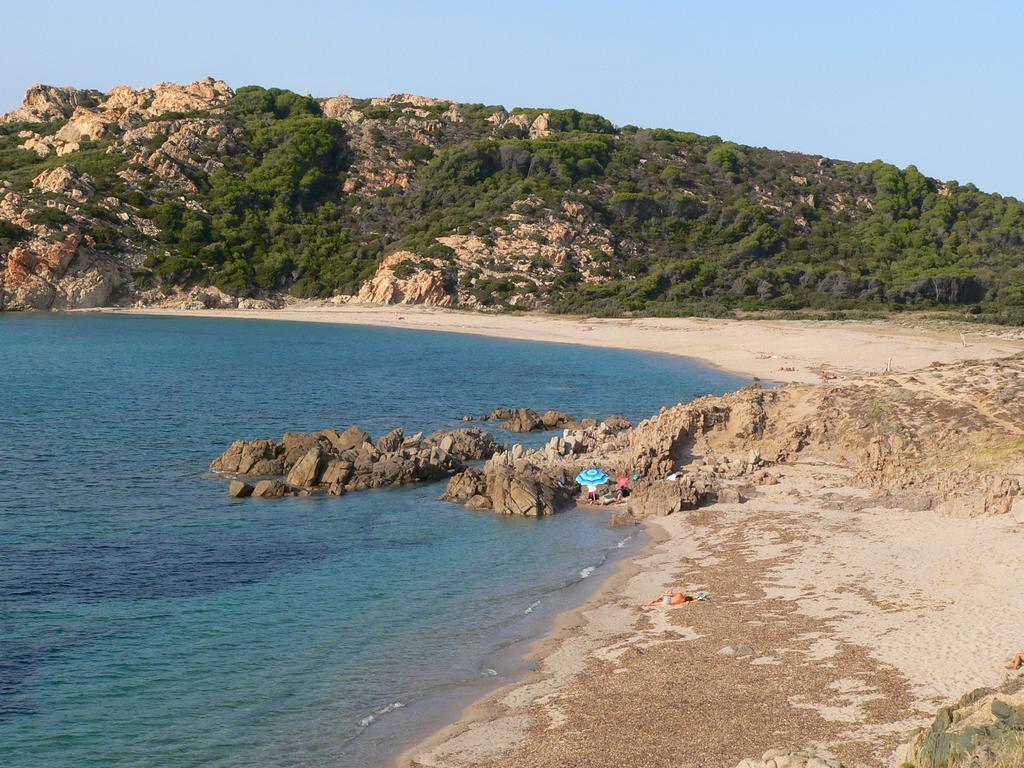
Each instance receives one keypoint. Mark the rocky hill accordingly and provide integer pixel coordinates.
(201, 194)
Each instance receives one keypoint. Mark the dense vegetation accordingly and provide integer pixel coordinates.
(699, 225)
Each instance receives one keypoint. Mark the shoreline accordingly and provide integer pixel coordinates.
(763, 349)
(554, 631)
(488, 708)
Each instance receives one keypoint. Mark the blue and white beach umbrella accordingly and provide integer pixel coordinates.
(592, 476)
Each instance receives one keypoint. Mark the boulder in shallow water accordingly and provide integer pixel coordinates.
(617, 422)
(337, 472)
(557, 419)
(465, 485)
(524, 420)
(268, 467)
(306, 472)
(239, 490)
(352, 437)
(466, 443)
(242, 455)
(526, 490)
(478, 503)
(269, 489)
(298, 444)
(392, 441)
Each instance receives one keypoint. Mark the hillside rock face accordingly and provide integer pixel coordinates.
(407, 199)
(521, 250)
(57, 275)
(61, 265)
(423, 284)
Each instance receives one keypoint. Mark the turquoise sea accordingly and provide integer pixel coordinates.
(146, 619)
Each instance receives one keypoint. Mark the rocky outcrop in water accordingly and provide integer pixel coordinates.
(337, 463)
(949, 438)
(512, 487)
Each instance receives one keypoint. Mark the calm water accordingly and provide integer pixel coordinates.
(147, 619)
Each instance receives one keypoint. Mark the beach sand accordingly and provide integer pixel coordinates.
(759, 348)
(860, 622)
(833, 622)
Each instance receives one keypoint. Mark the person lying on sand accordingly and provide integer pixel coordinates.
(670, 598)
(1016, 663)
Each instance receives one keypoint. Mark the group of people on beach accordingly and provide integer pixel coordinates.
(622, 492)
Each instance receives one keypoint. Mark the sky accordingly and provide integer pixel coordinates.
(936, 84)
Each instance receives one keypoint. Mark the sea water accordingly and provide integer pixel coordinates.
(148, 619)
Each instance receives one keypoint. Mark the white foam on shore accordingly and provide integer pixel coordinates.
(382, 711)
(531, 606)
(587, 571)
(622, 544)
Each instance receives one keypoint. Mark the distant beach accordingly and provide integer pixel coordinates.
(772, 350)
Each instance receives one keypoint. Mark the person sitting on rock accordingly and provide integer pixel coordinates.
(1018, 660)
(592, 494)
(670, 598)
(623, 492)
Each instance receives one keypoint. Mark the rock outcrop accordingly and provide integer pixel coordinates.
(405, 278)
(662, 497)
(63, 274)
(617, 422)
(336, 463)
(512, 487)
(524, 420)
(239, 490)
(950, 438)
(985, 727)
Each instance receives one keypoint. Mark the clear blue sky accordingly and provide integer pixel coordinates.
(937, 84)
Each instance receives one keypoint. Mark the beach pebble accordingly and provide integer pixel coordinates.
(727, 651)
(744, 650)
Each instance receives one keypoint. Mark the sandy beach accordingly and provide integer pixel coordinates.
(766, 349)
(830, 624)
(836, 620)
